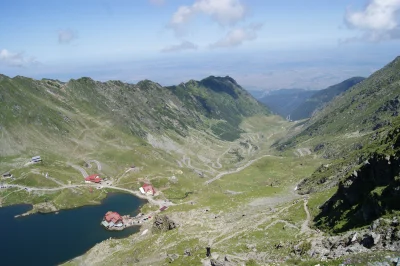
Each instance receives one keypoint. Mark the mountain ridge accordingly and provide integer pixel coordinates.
(358, 128)
(214, 103)
(284, 101)
(206, 148)
(321, 97)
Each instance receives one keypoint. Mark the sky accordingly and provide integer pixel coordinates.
(263, 44)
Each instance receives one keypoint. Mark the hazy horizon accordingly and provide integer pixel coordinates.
(263, 45)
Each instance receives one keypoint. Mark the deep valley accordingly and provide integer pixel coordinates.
(251, 186)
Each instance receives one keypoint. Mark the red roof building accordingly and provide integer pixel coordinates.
(93, 178)
(148, 189)
(113, 217)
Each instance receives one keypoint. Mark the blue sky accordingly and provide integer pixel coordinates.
(262, 44)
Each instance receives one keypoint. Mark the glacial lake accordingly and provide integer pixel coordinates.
(51, 239)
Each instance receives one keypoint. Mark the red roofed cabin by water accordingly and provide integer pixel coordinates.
(148, 189)
(113, 217)
(93, 178)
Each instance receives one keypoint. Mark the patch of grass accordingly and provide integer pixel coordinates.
(317, 199)
(34, 180)
(252, 263)
(295, 214)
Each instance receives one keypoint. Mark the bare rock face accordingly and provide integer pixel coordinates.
(216, 262)
(162, 223)
(383, 234)
(187, 252)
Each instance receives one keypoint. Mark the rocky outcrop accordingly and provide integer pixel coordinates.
(172, 257)
(162, 223)
(366, 194)
(217, 262)
(383, 234)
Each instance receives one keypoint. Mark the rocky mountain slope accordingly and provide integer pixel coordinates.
(320, 98)
(220, 99)
(34, 113)
(242, 187)
(358, 131)
(370, 188)
(367, 106)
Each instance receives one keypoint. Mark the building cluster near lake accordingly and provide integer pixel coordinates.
(114, 221)
(93, 179)
(147, 189)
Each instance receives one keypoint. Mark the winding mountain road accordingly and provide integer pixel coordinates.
(98, 164)
(134, 192)
(304, 227)
(187, 162)
(236, 170)
(80, 169)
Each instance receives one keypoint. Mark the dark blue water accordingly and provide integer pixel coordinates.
(50, 239)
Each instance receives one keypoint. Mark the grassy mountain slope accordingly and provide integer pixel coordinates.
(51, 112)
(169, 135)
(283, 102)
(116, 123)
(353, 115)
(220, 99)
(358, 126)
(206, 147)
(320, 98)
(370, 189)
(254, 215)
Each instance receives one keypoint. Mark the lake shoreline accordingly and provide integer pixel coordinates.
(45, 247)
(54, 209)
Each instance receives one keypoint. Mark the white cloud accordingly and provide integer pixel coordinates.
(237, 36)
(181, 16)
(66, 36)
(225, 12)
(157, 2)
(378, 21)
(185, 45)
(15, 59)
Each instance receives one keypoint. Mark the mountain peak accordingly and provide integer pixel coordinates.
(221, 79)
(4, 76)
(222, 84)
(231, 80)
(146, 83)
(395, 62)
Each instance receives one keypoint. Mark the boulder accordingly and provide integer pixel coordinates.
(187, 252)
(172, 257)
(354, 238)
(376, 238)
(395, 222)
(375, 224)
(279, 245)
(163, 223)
(389, 234)
(355, 248)
(215, 262)
(396, 234)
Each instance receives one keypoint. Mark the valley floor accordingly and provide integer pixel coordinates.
(248, 211)
(238, 198)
